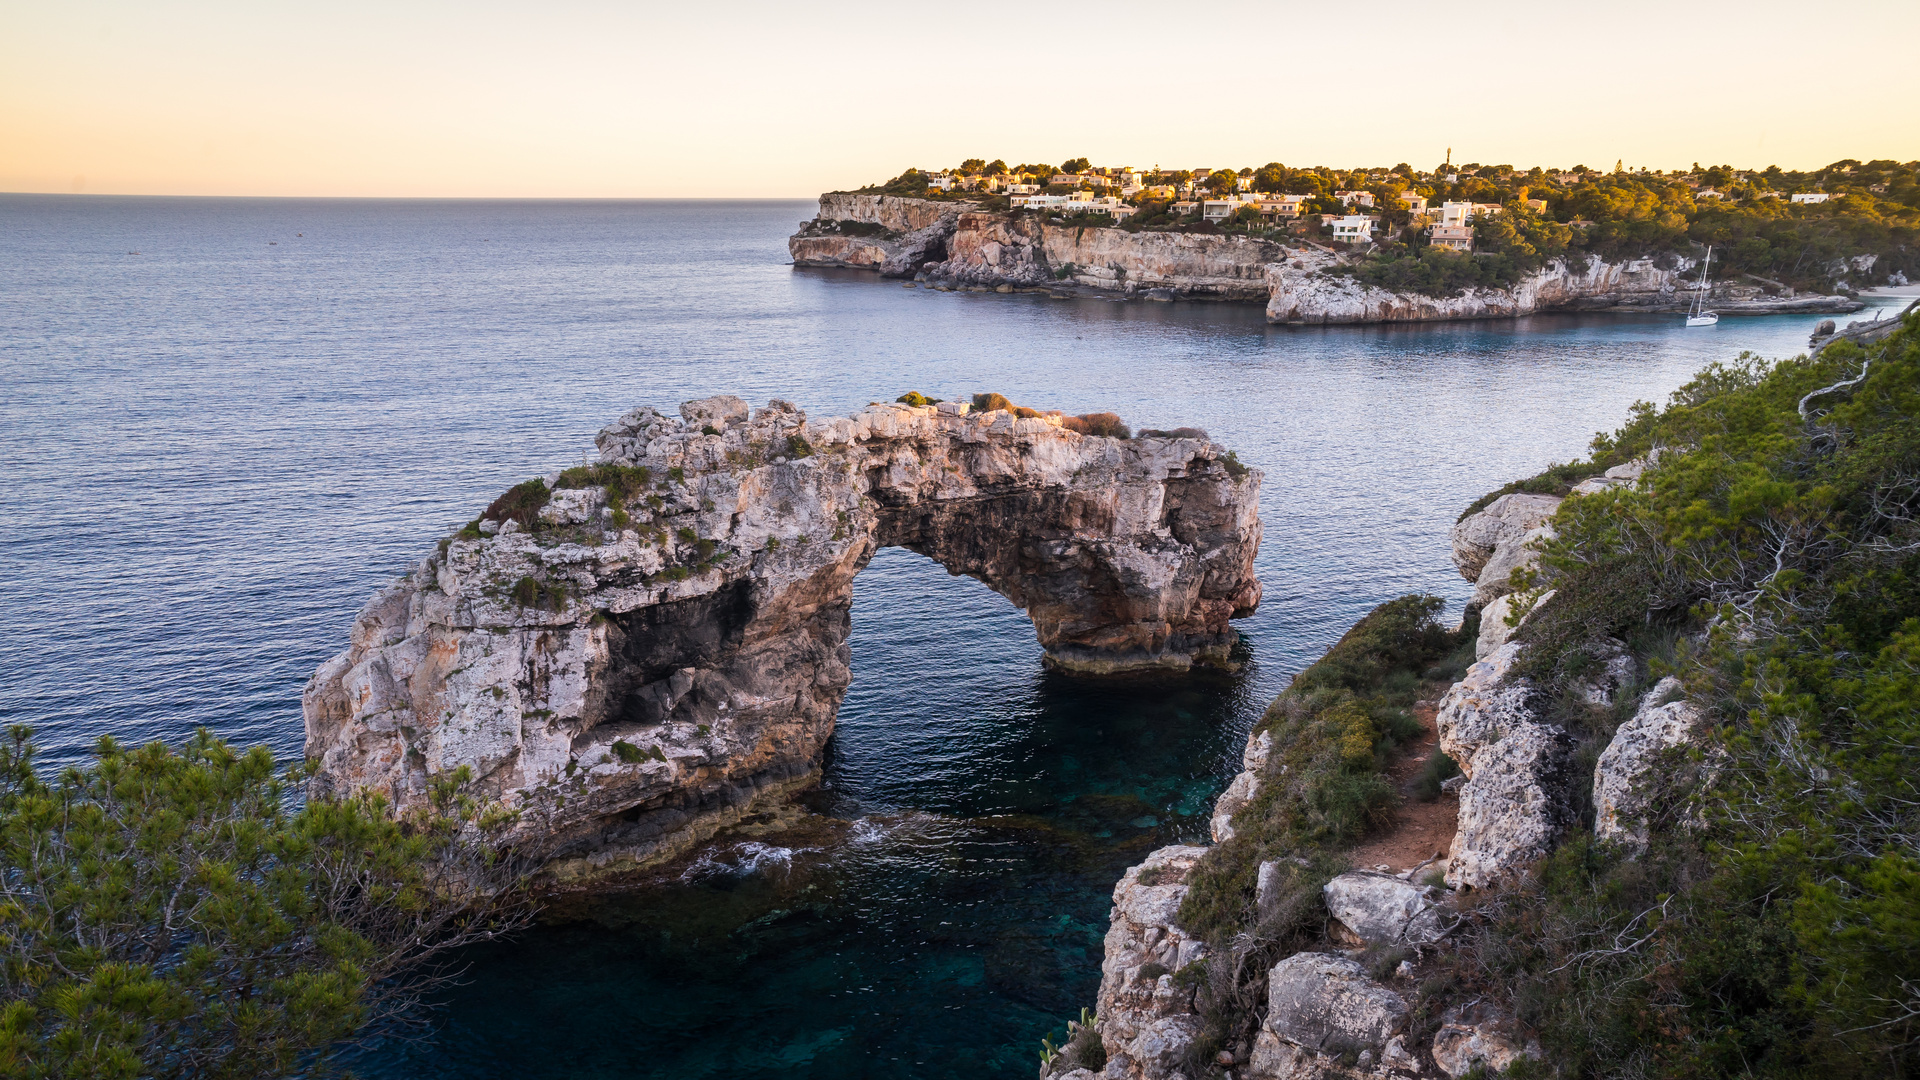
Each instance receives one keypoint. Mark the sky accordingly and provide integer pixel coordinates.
(583, 98)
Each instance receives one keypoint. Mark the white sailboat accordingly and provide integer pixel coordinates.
(1697, 316)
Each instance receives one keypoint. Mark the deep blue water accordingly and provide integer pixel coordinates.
(226, 421)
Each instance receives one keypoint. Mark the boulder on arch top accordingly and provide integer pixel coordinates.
(666, 652)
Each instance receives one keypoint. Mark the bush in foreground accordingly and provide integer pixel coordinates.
(165, 914)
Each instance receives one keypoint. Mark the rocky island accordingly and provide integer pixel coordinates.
(632, 654)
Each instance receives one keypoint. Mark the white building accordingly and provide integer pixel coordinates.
(1460, 213)
(1354, 228)
(1350, 198)
(1452, 237)
(1809, 197)
(1080, 202)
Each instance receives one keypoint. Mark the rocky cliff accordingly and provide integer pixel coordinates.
(632, 654)
(1335, 1010)
(957, 245)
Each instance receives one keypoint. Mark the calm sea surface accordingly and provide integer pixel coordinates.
(224, 422)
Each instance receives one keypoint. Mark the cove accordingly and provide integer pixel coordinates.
(221, 448)
(982, 810)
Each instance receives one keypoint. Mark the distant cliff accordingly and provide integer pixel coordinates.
(959, 245)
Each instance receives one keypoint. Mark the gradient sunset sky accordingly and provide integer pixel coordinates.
(592, 99)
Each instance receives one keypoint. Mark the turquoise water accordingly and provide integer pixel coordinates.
(227, 421)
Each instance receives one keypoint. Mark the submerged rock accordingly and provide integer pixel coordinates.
(665, 651)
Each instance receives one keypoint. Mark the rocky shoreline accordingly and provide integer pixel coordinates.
(959, 245)
(1325, 1013)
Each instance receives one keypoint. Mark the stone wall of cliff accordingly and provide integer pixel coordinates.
(632, 655)
(958, 245)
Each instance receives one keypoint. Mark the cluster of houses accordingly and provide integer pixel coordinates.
(1114, 193)
(1448, 225)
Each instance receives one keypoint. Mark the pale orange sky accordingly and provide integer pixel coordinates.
(593, 99)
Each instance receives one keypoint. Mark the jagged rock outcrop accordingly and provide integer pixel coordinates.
(634, 654)
(1146, 1020)
(892, 235)
(1477, 537)
(1624, 777)
(1376, 908)
(1244, 786)
(1023, 250)
(1513, 805)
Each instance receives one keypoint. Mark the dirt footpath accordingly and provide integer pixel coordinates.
(1421, 830)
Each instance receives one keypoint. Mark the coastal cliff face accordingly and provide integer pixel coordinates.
(958, 245)
(1001, 249)
(886, 233)
(635, 654)
(1329, 1011)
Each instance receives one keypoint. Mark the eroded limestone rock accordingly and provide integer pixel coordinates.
(1513, 804)
(1494, 631)
(1145, 947)
(1622, 779)
(1244, 786)
(1521, 553)
(1382, 909)
(1507, 518)
(1478, 1036)
(631, 677)
(1326, 1003)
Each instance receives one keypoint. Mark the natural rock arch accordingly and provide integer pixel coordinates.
(637, 653)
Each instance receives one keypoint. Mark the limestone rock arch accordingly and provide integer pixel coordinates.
(637, 653)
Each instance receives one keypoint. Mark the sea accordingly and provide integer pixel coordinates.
(225, 422)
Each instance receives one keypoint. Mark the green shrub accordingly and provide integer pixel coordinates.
(990, 402)
(1439, 769)
(1770, 560)
(185, 913)
(531, 592)
(1105, 424)
(798, 447)
(1235, 468)
(916, 399)
(521, 502)
(628, 752)
(622, 482)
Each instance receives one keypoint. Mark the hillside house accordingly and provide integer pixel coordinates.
(1354, 228)
(1352, 198)
(1809, 197)
(1280, 206)
(1451, 237)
